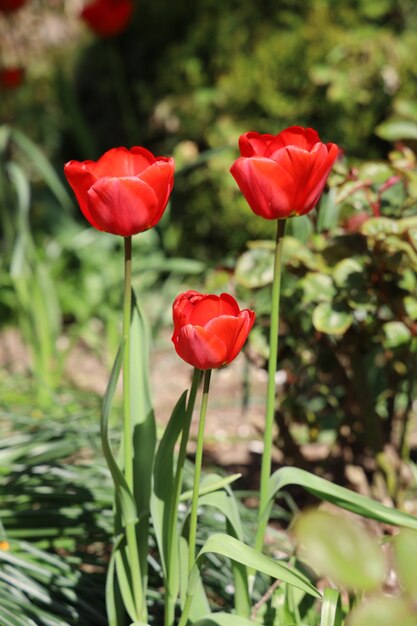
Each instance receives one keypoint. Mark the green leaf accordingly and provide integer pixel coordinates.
(300, 228)
(340, 549)
(396, 334)
(329, 319)
(225, 502)
(317, 287)
(39, 161)
(236, 550)
(340, 496)
(211, 482)
(331, 610)
(297, 255)
(126, 498)
(144, 429)
(379, 227)
(405, 551)
(383, 611)
(410, 305)
(395, 129)
(328, 212)
(163, 477)
(114, 602)
(224, 619)
(255, 268)
(344, 270)
(199, 603)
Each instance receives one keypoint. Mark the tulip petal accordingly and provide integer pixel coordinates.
(254, 144)
(160, 176)
(122, 206)
(267, 187)
(209, 307)
(233, 331)
(81, 179)
(309, 171)
(304, 138)
(200, 348)
(122, 163)
(183, 307)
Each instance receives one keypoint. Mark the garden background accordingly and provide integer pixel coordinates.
(187, 81)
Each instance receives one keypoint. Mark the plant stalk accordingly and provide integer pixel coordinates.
(130, 528)
(127, 315)
(197, 471)
(270, 400)
(170, 600)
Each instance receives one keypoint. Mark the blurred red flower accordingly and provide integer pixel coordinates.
(209, 330)
(108, 18)
(11, 77)
(125, 192)
(283, 175)
(9, 6)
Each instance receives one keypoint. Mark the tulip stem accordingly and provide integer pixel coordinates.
(127, 314)
(264, 503)
(172, 564)
(197, 471)
(130, 528)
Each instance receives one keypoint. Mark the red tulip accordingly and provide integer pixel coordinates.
(108, 18)
(11, 77)
(209, 331)
(9, 6)
(283, 175)
(125, 192)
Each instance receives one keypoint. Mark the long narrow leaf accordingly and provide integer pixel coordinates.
(331, 612)
(346, 499)
(144, 431)
(224, 619)
(212, 482)
(162, 496)
(44, 167)
(238, 551)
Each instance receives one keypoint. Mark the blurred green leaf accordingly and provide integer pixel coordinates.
(383, 611)
(317, 287)
(410, 305)
(344, 270)
(255, 268)
(405, 551)
(332, 320)
(396, 334)
(340, 549)
(379, 226)
(395, 129)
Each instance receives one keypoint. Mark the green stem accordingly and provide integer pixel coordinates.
(172, 549)
(197, 471)
(270, 401)
(130, 527)
(127, 314)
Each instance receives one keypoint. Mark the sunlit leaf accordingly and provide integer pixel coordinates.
(396, 334)
(345, 498)
(332, 320)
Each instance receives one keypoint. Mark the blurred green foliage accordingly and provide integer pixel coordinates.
(189, 80)
(197, 77)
